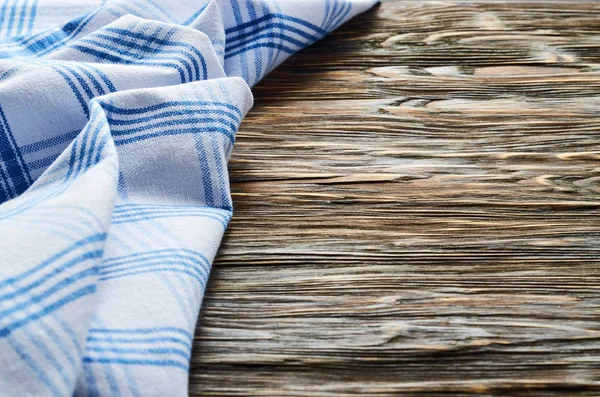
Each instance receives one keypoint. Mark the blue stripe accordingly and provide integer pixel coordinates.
(59, 184)
(269, 35)
(327, 8)
(126, 56)
(195, 15)
(331, 15)
(78, 154)
(32, 15)
(42, 163)
(74, 89)
(40, 373)
(205, 168)
(43, 41)
(185, 118)
(106, 80)
(22, 18)
(166, 104)
(4, 186)
(151, 258)
(97, 86)
(95, 339)
(11, 18)
(272, 56)
(52, 274)
(111, 380)
(234, 41)
(36, 341)
(159, 363)
(8, 73)
(90, 381)
(341, 16)
(133, 209)
(148, 215)
(141, 331)
(258, 63)
(157, 6)
(90, 289)
(165, 42)
(50, 142)
(166, 253)
(3, 14)
(115, 59)
(93, 147)
(12, 158)
(73, 157)
(150, 269)
(101, 145)
(139, 120)
(81, 243)
(178, 131)
(131, 383)
(221, 173)
(61, 285)
(84, 85)
(147, 351)
(269, 17)
(51, 41)
(280, 47)
(235, 7)
(121, 211)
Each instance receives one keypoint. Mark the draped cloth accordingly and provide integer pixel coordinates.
(117, 119)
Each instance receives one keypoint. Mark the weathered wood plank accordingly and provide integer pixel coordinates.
(417, 212)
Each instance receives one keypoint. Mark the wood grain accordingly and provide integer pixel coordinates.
(417, 212)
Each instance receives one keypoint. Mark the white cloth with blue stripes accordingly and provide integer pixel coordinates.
(117, 119)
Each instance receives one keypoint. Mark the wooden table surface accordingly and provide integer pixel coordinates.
(417, 212)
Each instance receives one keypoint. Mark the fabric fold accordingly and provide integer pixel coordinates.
(115, 131)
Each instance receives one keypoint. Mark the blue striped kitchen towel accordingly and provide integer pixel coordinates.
(117, 119)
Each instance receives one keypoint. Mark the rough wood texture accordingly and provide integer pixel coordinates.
(417, 212)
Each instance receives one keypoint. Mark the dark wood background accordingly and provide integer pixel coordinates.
(417, 212)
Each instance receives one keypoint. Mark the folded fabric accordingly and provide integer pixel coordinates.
(115, 131)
